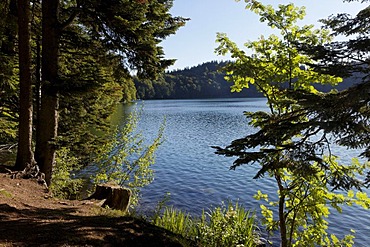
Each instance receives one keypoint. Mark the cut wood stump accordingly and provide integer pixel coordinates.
(116, 197)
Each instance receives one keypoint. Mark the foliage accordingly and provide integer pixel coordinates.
(175, 221)
(127, 160)
(229, 225)
(127, 31)
(310, 204)
(8, 73)
(64, 184)
(8, 127)
(132, 28)
(92, 85)
(291, 141)
(346, 57)
(98, 45)
(275, 62)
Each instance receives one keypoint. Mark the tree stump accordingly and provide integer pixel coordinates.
(116, 196)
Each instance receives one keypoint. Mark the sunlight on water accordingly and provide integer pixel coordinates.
(196, 178)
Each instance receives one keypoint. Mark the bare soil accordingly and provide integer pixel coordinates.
(29, 216)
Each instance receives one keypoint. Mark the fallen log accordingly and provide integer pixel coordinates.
(116, 197)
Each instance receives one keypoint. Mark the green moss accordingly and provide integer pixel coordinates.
(5, 193)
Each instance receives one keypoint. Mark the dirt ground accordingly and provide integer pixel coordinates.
(29, 216)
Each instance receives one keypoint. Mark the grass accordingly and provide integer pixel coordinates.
(226, 225)
(175, 221)
(108, 212)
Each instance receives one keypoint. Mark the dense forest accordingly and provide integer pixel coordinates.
(207, 80)
(203, 81)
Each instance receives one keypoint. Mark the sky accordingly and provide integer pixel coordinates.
(195, 43)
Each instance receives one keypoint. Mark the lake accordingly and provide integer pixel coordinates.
(196, 178)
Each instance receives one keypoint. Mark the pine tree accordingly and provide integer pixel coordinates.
(24, 153)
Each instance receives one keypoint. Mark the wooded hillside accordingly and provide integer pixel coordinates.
(205, 80)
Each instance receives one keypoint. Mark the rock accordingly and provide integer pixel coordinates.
(116, 197)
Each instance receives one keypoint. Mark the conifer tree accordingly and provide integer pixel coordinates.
(24, 153)
(292, 144)
(131, 29)
(349, 58)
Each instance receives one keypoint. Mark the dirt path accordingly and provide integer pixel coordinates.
(30, 217)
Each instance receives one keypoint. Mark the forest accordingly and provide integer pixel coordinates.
(66, 65)
(207, 80)
(203, 81)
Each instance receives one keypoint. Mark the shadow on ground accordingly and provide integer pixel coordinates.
(60, 227)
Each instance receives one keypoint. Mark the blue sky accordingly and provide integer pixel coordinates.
(194, 43)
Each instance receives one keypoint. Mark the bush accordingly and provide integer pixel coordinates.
(63, 183)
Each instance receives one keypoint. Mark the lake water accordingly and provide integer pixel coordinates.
(196, 178)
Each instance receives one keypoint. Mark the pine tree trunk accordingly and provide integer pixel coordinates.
(48, 118)
(48, 123)
(24, 153)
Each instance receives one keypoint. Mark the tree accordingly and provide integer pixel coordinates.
(347, 58)
(290, 145)
(24, 153)
(48, 113)
(131, 29)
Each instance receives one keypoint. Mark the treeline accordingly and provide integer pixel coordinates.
(203, 81)
(206, 80)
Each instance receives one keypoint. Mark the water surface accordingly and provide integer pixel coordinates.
(196, 178)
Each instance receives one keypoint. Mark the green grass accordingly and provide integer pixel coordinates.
(108, 212)
(227, 225)
(175, 221)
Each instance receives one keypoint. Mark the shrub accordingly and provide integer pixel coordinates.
(126, 160)
(64, 184)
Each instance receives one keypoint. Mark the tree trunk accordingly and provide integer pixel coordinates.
(48, 118)
(282, 223)
(24, 153)
(37, 85)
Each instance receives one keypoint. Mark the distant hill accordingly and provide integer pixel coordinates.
(203, 81)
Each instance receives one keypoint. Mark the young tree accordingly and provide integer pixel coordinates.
(293, 149)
